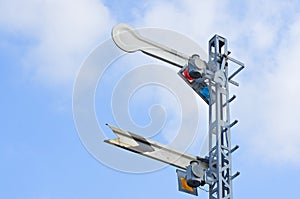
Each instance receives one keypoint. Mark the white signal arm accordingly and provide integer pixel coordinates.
(128, 39)
(154, 150)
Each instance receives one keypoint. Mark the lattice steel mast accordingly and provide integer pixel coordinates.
(220, 163)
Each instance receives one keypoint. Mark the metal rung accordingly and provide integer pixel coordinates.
(234, 148)
(235, 175)
(230, 125)
(235, 61)
(233, 82)
(233, 123)
(230, 100)
(236, 72)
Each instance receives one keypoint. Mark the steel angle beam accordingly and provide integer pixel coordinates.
(152, 149)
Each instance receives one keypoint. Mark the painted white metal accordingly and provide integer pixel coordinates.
(129, 40)
(152, 149)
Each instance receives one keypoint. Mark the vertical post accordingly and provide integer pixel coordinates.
(219, 121)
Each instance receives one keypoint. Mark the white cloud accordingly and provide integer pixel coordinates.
(265, 37)
(268, 97)
(262, 34)
(278, 138)
(62, 34)
(189, 17)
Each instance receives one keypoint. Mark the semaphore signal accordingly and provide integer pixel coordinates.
(210, 80)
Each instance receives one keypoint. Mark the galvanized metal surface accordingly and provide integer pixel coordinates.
(220, 162)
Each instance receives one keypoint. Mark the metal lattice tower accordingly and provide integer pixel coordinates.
(220, 164)
(219, 121)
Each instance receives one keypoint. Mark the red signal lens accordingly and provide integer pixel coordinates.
(187, 76)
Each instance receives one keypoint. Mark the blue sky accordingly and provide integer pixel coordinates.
(44, 44)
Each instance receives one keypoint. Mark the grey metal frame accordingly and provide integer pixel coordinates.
(216, 76)
(220, 166)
